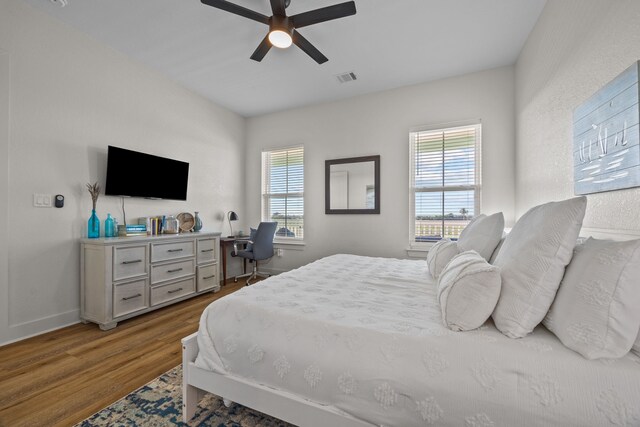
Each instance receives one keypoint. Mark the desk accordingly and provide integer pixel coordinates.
(224, 242)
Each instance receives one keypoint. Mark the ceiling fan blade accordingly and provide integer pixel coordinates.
(238, 10)
(262, 49)
(278, 7)
(324, 14)
(308, 48)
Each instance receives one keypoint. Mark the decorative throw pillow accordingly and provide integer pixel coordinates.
(468, 290)
(597, 309)
(439, 255)
(532, 262)
(494, 255)
(482, 235)
(468, 227)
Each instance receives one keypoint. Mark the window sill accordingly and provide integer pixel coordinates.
(291, 245)
(419, 250)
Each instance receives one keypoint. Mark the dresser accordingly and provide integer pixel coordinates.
(123, 277)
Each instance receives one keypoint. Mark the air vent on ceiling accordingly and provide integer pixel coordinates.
(346, 77)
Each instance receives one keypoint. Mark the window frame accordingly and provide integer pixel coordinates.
(265, 196)
(477, 187)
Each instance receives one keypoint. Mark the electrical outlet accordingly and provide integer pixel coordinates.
(42, 200)
(279, 252)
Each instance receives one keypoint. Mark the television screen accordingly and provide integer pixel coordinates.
(134, 174)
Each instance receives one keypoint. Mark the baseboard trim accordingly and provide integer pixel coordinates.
(24, 330)
(272, 271)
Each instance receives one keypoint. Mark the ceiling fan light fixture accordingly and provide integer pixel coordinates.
(280, 39)
(283, 28)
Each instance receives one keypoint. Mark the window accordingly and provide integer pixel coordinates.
(445, 181)
(283, 191)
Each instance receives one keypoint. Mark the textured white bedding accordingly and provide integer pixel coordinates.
(365, 336)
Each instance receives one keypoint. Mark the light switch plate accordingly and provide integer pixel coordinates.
(42, 200)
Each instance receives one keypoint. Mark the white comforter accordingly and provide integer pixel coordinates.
(365, 336)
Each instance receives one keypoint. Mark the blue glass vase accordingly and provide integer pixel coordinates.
(198, 223)
(93, 226)
(109, 227)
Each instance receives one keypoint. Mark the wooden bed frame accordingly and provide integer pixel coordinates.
(286, 406)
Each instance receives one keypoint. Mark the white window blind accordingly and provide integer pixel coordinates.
(283, 191)
(445, 181)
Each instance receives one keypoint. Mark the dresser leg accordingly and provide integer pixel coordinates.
(108, 326)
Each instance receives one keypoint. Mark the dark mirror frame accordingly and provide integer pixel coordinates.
(327, 185)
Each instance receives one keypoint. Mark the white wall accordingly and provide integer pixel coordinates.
(576, 47)
(4, 187)
(380, 124)
(71, 97)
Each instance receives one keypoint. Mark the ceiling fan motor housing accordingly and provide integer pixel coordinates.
(281, 23)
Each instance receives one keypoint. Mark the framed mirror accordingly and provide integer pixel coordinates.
(352, 185)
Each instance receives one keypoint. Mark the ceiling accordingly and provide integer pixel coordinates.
(387, 44)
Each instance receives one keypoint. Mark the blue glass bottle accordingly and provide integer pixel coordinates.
(93, 231)
(198, 223)
(109, 227)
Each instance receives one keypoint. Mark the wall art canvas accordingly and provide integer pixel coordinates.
(606, 137)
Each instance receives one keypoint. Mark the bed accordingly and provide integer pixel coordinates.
(350, 340)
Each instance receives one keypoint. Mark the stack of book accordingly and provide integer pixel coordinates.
(132, 230)
(156, 225)
(153, 224)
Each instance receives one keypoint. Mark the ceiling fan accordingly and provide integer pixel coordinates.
(282, 28)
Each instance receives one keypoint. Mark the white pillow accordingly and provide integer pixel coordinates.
(468, 227)
(439, 255)
(482, 235)
(496, 251)
(597, 309)
(532, 261)
(468, 290)
(636, 346)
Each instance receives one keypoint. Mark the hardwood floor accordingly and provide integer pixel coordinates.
(62, 377)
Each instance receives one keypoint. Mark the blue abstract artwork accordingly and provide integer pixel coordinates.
(606, 137)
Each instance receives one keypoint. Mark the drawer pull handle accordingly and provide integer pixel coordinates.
(209, 277)
(174, 250)
(132, 262)
(174, 291)
(131, 297)
(207, 250)
(174, 270)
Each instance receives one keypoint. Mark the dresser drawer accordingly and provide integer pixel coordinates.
(206, 250)
(129, 261)
(172, 250)
(172, 270)
(208, 277)
(168, 292)
(130, 297)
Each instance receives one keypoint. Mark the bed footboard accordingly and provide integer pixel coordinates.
(190, 395)
(196, 382)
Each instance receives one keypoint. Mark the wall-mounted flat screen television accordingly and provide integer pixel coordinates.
(135, 174)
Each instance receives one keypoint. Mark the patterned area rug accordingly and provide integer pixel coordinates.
(159, 403)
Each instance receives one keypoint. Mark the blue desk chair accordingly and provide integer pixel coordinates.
(259, 248)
